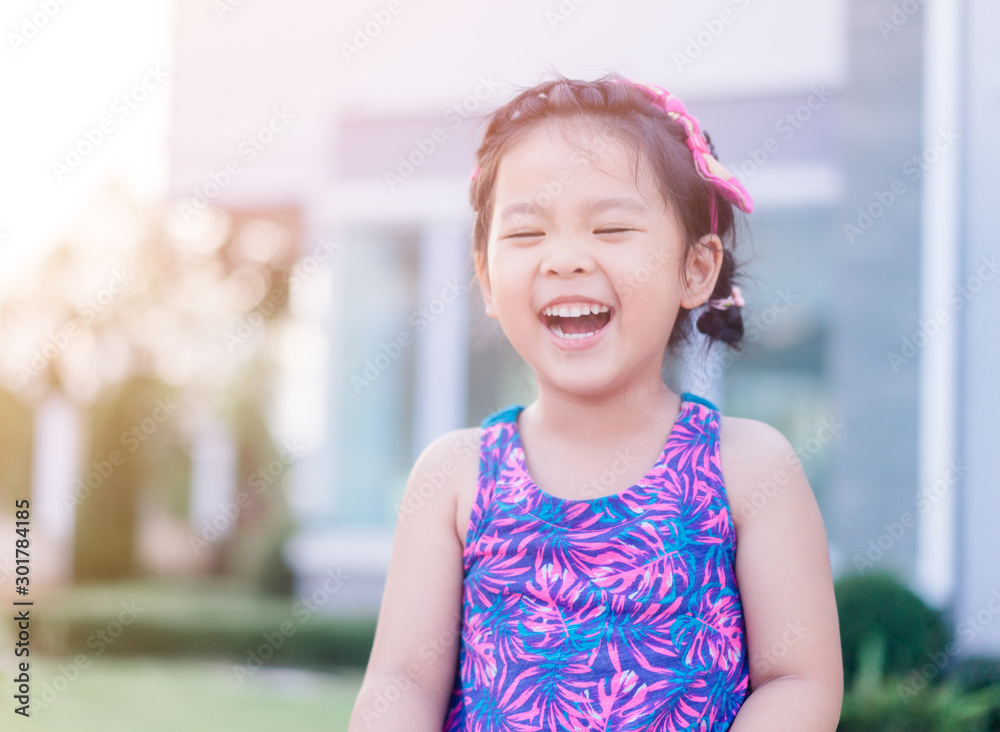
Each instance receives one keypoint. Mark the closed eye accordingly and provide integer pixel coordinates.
(612, 231)
(524, 235)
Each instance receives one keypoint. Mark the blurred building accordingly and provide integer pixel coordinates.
(364, 116)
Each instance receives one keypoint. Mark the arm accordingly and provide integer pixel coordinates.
(786, 585)
(410, 673)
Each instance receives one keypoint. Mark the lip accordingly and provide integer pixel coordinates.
(575, 344)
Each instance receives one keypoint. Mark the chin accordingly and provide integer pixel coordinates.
(579, 379)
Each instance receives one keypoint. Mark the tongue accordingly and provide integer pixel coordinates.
(583, 324)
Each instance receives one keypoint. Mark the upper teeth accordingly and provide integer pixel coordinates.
(575, 311)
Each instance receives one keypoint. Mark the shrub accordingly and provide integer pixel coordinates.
(876, 703)
(197, 619)
(879, 606)
(939, 709)
(976, 673)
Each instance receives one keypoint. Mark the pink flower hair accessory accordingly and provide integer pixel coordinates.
(735, 299)
(708, 166)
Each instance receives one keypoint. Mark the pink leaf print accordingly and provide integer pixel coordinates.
(616, 615)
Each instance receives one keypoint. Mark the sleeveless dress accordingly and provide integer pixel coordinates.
(619, 614)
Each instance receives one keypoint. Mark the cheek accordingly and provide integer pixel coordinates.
(511, 286)
(512, 266)
(650, 278)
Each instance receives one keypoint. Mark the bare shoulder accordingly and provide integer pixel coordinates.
(448, 467)
(782, 564)
(419, 619)
(757, 461)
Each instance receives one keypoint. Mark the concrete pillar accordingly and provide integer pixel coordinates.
(977, 600)
(54, 471)
(937, 335)
(213, 484)
(876, 300)
(442, 346)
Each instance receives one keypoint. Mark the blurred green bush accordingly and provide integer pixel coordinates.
(945, 708)
(199, 619)
(976, 673)
(135, 448)
(965, 701)
(889, 636)
(880, 606)
(152, 463)
(253, 552)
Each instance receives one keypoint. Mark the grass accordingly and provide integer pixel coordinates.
(139, 694)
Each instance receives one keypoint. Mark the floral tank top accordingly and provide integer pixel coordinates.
(618, 614)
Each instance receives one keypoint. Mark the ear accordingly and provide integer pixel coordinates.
(482, 274)
(702, 270)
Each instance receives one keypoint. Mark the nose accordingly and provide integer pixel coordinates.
(566, 255)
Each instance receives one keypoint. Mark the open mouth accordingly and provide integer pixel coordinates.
(575, 321)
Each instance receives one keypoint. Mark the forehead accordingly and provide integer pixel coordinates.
(568, 160)
(576, 144)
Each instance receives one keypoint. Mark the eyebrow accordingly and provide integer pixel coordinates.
(592, 206)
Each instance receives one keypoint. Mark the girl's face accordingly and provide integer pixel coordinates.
(584, 263)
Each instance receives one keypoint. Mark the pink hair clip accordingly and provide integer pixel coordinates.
(708, 166)
(734, 299)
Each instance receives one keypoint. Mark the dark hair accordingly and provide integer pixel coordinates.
(628, 114)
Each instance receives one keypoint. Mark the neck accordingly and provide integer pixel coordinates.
(627, 410)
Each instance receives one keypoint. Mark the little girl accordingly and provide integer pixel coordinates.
(573, 564)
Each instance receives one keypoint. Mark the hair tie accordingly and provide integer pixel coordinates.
(735, 299)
